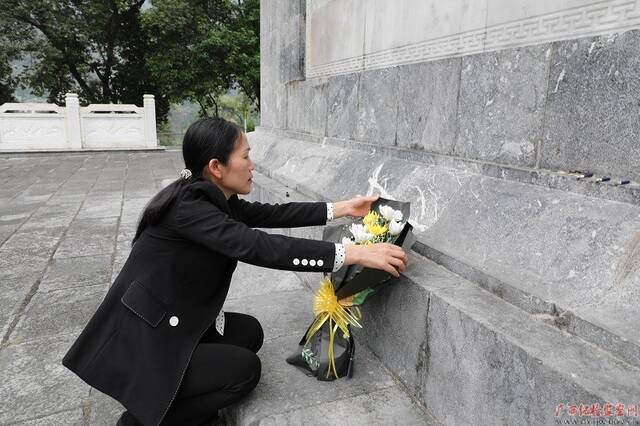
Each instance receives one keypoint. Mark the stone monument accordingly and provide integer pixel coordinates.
(512, 128)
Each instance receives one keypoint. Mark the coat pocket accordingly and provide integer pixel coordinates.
(142, 303)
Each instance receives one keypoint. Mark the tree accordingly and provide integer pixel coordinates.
(11, 41)
(238, 108)
(95, 48)
(244, 48)
(183, 52)
(200, 49)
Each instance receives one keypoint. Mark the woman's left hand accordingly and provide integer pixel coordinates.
(358, 206)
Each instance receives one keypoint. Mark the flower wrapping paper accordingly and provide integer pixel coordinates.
(327, 348)
(352, 279)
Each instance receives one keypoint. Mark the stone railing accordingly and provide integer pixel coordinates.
(36, 126)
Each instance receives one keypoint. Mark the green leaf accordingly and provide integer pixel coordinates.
(359, 298)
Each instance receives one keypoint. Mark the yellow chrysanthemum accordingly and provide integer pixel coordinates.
(376, 229)
(371, 218)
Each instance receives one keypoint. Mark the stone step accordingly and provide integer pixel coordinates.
(285, 395)
(610, 326)
(456, 345)
(568, 257)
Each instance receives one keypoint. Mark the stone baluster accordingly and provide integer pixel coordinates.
(74, 132)
(151, 139)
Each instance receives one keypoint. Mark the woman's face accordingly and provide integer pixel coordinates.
(236, 177)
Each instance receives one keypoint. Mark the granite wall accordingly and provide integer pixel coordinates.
(562, 105)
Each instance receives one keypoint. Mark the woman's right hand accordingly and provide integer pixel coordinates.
(383, 256)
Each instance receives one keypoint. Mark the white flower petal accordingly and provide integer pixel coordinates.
(395, 227)
(346, 241)
(387, 212)
(360, 233)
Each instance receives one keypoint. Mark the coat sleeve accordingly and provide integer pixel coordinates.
(201, 221)
(288, 215)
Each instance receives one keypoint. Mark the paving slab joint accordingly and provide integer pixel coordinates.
(42, 416)
(86, 411)
(14, 321)
(413, 395)
(34, 211)
(424, 354)
(34, 288)
(119, 221)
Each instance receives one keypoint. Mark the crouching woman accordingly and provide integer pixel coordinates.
(160, 343)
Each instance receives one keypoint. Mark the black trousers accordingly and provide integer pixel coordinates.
(222, 370)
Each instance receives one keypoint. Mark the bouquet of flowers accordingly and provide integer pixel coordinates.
(327, 348)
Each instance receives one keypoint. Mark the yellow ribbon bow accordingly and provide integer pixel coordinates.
(339, 313)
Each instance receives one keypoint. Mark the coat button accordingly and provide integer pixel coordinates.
(320, 262)
(173, 321)
(312, 262)
(296, 261)
(304, 262)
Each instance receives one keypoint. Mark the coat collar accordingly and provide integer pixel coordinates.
(213, 193)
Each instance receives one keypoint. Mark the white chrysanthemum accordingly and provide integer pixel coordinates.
(390, 214)
(395, 227)
(386, 212)
(360, 233)
(346, 241)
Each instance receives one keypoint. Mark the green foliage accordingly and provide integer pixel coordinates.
(199, 49)
(166, 137)
(11, 45)
(244, 48)
(310, 358)
(112, 51)
(94, 48)
(182, 55)
(359, 298)
(234, 106)
(240, 109)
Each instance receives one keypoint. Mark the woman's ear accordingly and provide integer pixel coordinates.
(214, 168)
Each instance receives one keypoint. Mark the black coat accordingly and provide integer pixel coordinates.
(179, 271)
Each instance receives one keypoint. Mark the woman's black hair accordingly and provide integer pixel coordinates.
(204, 140)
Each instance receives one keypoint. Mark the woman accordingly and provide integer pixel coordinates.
(159, 342)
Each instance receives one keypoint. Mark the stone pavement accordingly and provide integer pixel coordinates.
(66, 222)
